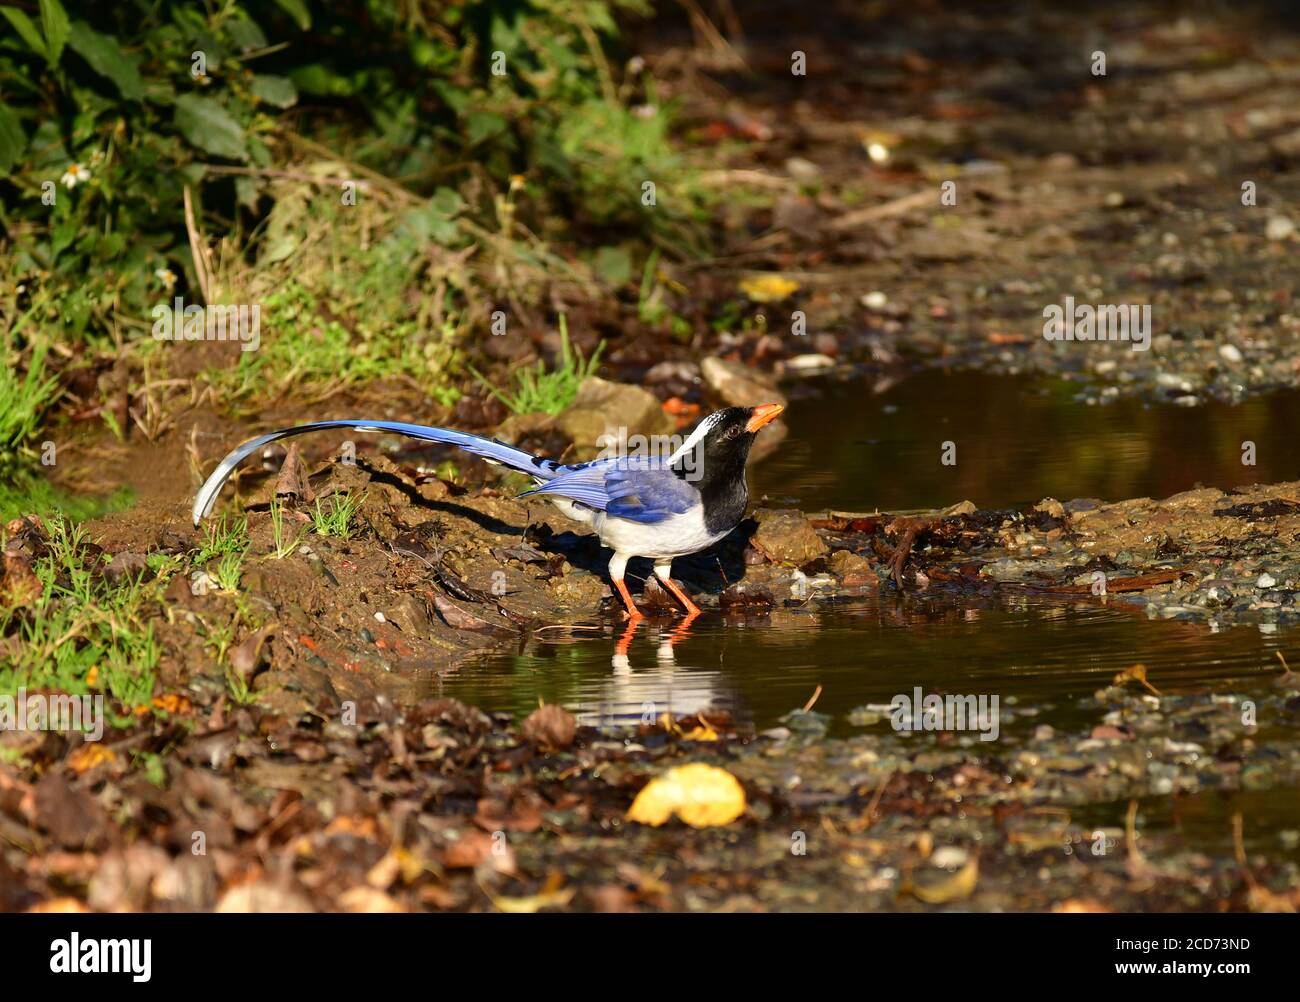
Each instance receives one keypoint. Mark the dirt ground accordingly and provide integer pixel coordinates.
(345, 786)
(341, 784)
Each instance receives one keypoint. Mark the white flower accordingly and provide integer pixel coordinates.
(73, 176)
(167, 277)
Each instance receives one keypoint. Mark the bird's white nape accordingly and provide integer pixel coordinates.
(696, 437)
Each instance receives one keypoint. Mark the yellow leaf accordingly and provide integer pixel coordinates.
(90, 755)
(768, 288)
(701, 795)
(529, 905)
(942, 886)
(58, 906)
(368, 901)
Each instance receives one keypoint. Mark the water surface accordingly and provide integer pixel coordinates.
(851, 448)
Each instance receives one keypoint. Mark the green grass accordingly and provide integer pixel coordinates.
(548, 391)
(222, 537)
(229, 569)
(335, 518)
(83, 632)
(307, 351)
(284, 546)
(26, 492)
(24, 398)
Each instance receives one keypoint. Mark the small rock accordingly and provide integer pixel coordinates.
(603, 408)
(851, 568)
(1230, 353)
(809, 363)
(738, 385)
(802, 170)
(786, 536)
(1266, 581)
(1279, 228)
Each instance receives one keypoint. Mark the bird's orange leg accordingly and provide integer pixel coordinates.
(625, 641)
(632, 611)
(692, 610)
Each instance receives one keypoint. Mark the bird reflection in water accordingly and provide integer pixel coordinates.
(632, 695)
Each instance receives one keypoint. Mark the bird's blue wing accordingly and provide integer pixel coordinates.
(584, 483)
(639, 490)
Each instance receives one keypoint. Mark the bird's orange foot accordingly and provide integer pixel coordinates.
(692, 610)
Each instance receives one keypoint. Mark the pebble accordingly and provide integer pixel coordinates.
(1266, 581)
(1230, 353)
(949, 857)
(809, 363)
(802, 170)
(1279, 228)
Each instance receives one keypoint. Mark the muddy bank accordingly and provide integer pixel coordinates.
(332, 776)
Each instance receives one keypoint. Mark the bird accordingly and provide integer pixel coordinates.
(639, 506)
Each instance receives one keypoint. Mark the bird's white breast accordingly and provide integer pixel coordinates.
(675, 536)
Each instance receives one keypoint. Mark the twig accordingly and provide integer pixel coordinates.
(886, 210)
(876, 797)
(197, 251)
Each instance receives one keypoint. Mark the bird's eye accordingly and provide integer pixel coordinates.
(733, 432)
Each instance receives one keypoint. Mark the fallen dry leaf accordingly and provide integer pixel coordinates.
(768, 288)
(88, 756)
(369, 901)
(292, 480)
(702, 795)
(535, 902)
(1138, 673)
(245, 658)
(939, 886)
(58, 906)
(550, 726)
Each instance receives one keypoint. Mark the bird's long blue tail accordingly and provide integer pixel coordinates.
(489, 449)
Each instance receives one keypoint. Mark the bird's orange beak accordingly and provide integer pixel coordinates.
(763, 414)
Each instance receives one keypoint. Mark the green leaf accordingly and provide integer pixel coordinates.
(481, 125)
(46, 149)
(54, 22)
(13, 141)
(26, 29)
(206, 123)
(320, 81)
(245, 33)
(106, 58)
(279, 92)
(297, 9)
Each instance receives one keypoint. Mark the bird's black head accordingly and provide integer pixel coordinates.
(714, 456)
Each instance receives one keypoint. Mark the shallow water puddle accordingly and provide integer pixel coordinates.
(1018, 440)
(1038, 658)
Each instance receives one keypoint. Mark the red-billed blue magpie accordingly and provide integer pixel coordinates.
(639, 506)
